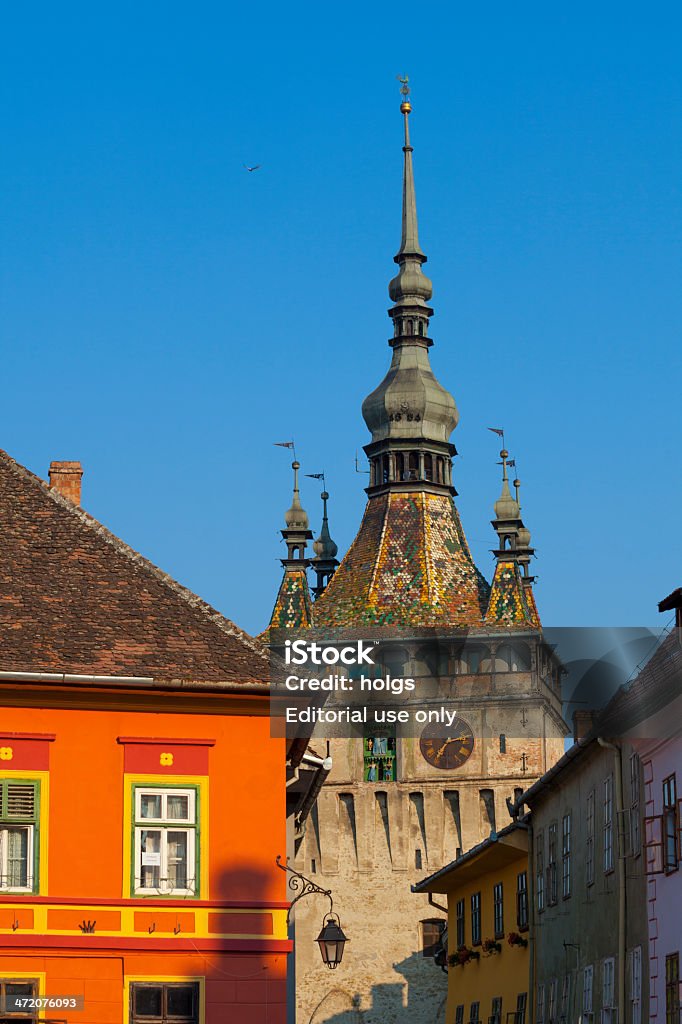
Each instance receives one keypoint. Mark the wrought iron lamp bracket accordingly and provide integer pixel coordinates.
(303, 886)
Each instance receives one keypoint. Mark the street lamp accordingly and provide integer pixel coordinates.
(331, 939)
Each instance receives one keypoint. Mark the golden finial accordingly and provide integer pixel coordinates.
(405, 106)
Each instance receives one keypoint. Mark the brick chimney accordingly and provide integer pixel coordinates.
(65, 479)
(583, 723)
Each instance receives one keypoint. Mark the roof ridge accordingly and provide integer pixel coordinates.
(188, 596)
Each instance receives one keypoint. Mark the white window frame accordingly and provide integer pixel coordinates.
(5, 828)
(552, 1008)
(163, 825)
(608, 824)
(541, 1005)
(636, 985)
(608, 989)
(588, 982)
(565, 995)
(540, 871)
(566, 855)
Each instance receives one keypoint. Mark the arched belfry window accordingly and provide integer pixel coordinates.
(428, 467)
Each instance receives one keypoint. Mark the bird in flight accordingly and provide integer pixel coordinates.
(254, 168)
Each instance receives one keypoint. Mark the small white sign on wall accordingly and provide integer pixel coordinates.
(151, 860)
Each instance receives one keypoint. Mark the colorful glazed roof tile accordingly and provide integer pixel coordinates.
(409, 566)
(293, 607)
(511, 601)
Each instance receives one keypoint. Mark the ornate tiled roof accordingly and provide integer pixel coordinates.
(76, 599)
(511, 602)
(293, 607)
(409, 566)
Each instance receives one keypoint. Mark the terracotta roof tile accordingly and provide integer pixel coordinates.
(76, 599)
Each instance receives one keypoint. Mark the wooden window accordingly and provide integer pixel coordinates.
(432, 932)
(670, 854)
(166, 841)
(589, 839)
(496, 1011)
(459, 1014)
(608, 824)
(522, 900)
(461, 935)
(566, 855)
(17, 988)
(565, 996)
(498, 909)
(521, 1007)
(672, 988)
(474, 1013)
(552, 888)
(540, 870)
(635, 797)
(164, 1004)
(19, 821)
(476, 919)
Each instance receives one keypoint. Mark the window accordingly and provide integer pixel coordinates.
(459, 1014)
(380, 757)
(551, 1010)
(588, 978)
(608, 823)
(166, 839)
(461, 938)
(418, 860)
(636, 985)
(476, 919)
(521, 1006)
(565, 996)
(672, 988)
(19, 810)
(158, 1004)
(474, 1013)
(607, 991)
(498, 910)
(541, 1005)
(503, 743)
(522, 900)
(17, 988)
(635, 795)
(566, 855)
(432, 931)
(589, 839)
(669, 824)
(496, 1011)
(552, 865)
(540, 871)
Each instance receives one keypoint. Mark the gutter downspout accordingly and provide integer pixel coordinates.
(621, 873)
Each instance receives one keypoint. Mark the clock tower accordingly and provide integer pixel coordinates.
(396, 807)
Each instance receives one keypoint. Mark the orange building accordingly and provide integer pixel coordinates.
(142, 799)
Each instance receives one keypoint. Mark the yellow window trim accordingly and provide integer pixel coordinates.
(161, 979)
(44, 779)
(201, 782)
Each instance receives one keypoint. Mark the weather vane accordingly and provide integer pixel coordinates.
(404, 87)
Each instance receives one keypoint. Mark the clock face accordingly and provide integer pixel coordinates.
(447, 750)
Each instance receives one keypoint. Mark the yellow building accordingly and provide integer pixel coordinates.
(487, 935)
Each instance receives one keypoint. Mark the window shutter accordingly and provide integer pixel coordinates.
(20, 800)
(653, 844)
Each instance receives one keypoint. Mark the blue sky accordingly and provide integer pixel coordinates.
(166, 315)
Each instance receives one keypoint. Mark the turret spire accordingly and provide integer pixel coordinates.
(409, 244)
(325, 561)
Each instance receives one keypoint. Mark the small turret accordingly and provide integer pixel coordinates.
(325, 561)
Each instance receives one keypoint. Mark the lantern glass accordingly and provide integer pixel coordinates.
(331, 941)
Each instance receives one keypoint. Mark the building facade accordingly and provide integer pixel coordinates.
(137, 883)
(487, 936)
(395, 806)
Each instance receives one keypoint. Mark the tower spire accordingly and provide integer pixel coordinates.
(409, 243)
(325, 561)
(293, 606)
